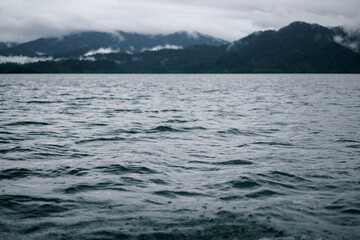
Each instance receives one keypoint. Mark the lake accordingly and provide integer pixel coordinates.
(180, 156)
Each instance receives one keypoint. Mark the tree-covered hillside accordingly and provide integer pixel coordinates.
(297, 48)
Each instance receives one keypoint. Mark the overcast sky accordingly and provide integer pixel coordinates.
(24, 20)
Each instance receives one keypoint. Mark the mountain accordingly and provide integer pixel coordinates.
(297, 48)
(90, 43)
(6, 45)
(3, 45)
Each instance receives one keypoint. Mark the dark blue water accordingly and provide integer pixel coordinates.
(180, 157)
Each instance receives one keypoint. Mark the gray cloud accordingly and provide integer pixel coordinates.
(23, 20)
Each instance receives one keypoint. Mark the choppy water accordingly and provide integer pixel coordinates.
(180, 156)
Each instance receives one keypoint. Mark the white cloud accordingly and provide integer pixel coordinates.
(159, 47)
(23, 59)
(101, 51)
(228, 19)
(87, 59)
(119, 36)
(351, 44)
(193, 34)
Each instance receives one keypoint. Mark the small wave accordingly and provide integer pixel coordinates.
(128, 131)
(159, 181)
(278, 184)
(244, 183)
(106, 234)
(184, 210)
(321, 176)
(15, 149)
(26, 123)
(98, 124)
(49, 154)
(235, 162)
(199, 162)
(200, 156)
(174, 194)
(168, 194)
(235, 131)
(176, 121)
(165, 129)
(16, 173)
(132, 181)
(212, 91)
(66, 171)
(347, 141)
(290, 176)
(101, 139)
(93, 187)
(152, 111)
(171, 110)
(354, 211)
(8, 198)
(334, 207)
(85, 98)
(273, 143)
(5, 132)
(194, 128)
(42, 133)
(38, 227)
(128, 110)
(30, 206)
(42, 102)
(76, 105)
(353, 146)
(243, 145)
(281, 123)
(231, 198)
(269, 131)
(119, 169)
(153, 202)
(263, 194)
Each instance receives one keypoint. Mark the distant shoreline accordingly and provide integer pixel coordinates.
(270, 73)
(299, 48)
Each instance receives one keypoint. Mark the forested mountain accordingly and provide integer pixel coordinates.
(90, 43)
(297, 48)
(6, 45)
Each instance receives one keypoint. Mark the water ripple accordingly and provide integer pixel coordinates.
(26, 123)
(179, 157)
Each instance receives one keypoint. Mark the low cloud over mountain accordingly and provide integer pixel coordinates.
(24, 20)
(85, 44)
(298, 47)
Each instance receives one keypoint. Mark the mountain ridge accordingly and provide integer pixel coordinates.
(296, 48)
(77, 44)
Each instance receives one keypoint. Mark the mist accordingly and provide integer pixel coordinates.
(25, 20)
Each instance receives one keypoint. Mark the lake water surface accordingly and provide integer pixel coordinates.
(180, 157)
